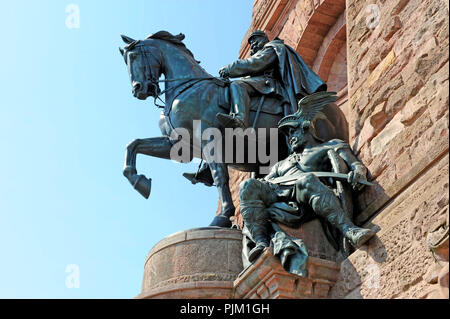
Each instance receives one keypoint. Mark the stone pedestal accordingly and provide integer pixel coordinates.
(266, 279)
(206, 263)
(196, 263)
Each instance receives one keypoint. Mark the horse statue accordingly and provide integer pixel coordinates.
(192, 94)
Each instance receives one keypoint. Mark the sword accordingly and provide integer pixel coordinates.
(291, 179)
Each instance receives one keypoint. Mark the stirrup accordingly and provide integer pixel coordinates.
(203, 175)
(231, 121)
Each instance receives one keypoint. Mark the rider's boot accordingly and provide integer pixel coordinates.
(202, 176)
(328, 206)
(240, 102)
(256, 219)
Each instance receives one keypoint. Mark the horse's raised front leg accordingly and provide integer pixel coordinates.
(154, 146)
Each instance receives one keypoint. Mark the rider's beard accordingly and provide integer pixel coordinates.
(256, 48)
(297, 144)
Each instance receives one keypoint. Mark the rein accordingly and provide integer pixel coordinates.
(154, 82)
(187, 80)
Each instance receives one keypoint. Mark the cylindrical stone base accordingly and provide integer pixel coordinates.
(195, 263)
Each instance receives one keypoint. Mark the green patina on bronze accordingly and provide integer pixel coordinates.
(275, 199)
(193, 94)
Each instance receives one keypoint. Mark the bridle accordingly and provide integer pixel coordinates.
(149, 76)
(154, 81)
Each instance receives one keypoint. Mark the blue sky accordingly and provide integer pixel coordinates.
(66, 114)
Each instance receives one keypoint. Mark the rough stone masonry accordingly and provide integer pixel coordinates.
(391, 72)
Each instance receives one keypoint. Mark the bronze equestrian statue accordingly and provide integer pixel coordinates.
(192, 94)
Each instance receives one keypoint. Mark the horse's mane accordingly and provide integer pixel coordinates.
(174, 39)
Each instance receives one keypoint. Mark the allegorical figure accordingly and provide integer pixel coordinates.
(273, 68)
(296, 179)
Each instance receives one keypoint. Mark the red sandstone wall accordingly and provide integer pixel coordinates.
(236, 178)
(398, 117)
(397, 107)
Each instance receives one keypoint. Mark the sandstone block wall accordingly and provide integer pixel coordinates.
(398, 116)
(389, 62)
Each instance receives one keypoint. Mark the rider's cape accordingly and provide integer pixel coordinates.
(298, 79)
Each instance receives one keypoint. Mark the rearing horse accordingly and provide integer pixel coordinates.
(190, 94)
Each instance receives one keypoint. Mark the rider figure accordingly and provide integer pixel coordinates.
(273, 68)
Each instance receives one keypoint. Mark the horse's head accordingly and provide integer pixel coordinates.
(144, 67)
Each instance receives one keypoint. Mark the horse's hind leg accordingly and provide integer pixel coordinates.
(154, 146)
(219, 173)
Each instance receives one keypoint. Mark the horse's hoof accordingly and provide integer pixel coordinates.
(221, 221)
(143, 185)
